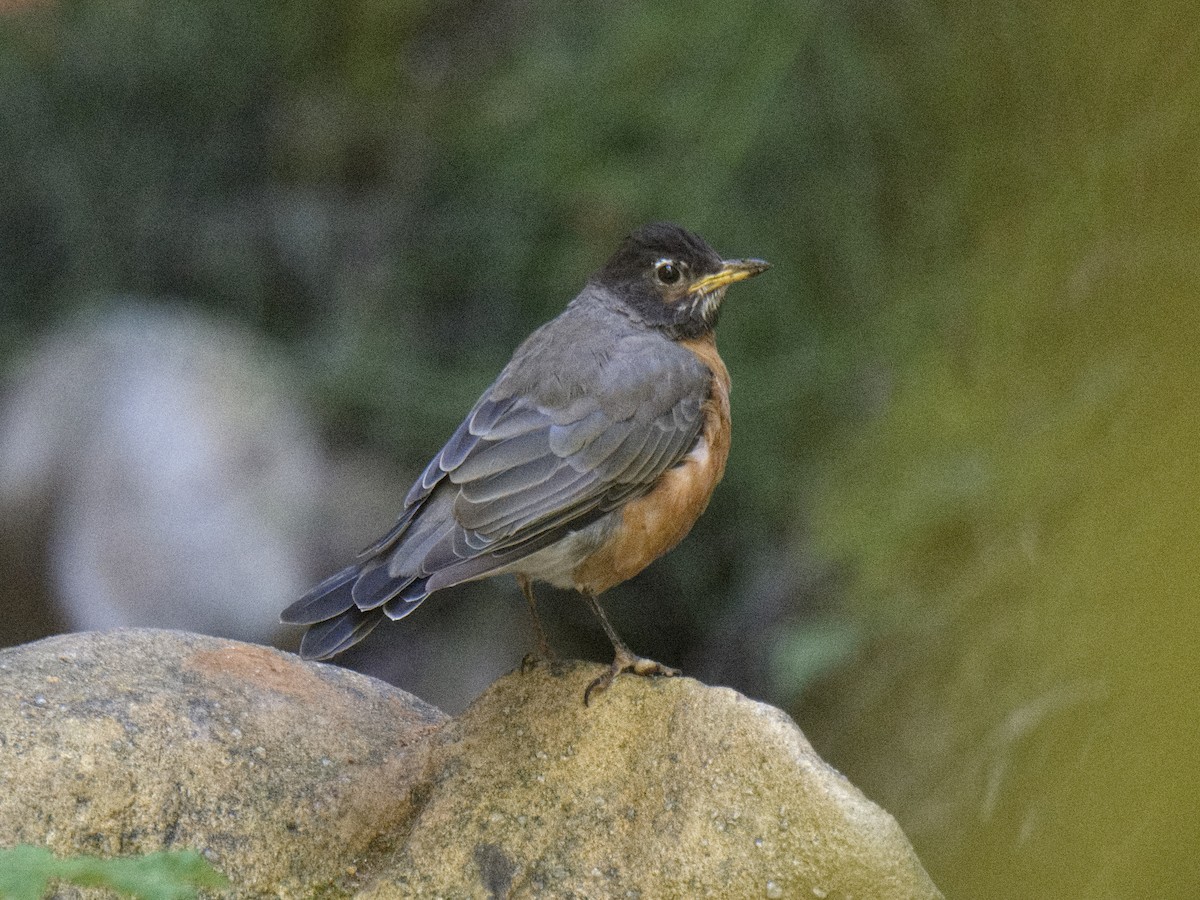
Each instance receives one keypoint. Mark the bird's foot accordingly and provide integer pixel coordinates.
(626, 661)
(531, 660)
(544, 655)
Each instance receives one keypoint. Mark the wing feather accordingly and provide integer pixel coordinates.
(538, 457)
(522, 481)
(500, 456)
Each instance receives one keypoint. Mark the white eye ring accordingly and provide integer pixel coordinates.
(668, 271)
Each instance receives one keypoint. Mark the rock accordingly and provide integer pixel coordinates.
(299, 777)
(166, 453)
(661, 788)
(281, 772)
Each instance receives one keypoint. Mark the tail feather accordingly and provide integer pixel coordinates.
(329, 598)
(374, 586)
(390, 584)
(336, 622)
(331, 637)
(407, 600)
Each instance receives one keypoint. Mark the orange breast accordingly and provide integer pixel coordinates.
(656, 522)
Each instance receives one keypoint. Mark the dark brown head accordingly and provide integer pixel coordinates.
(671, 279)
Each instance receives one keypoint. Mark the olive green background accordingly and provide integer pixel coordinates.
(958, 535)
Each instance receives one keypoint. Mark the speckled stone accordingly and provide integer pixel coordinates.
(662, 788)
(283, 773)
(299, 779)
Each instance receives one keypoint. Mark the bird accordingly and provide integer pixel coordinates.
(591, 455)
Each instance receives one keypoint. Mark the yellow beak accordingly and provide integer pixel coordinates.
(731, 270)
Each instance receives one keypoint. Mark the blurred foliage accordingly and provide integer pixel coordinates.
(26, 874)
(1020, 518)
(400, 194)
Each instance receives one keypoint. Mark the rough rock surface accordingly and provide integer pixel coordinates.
(662, 788)
(297, 778)
(126, 742)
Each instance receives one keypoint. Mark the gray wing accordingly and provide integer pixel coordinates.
(534, 460)
(527, 467)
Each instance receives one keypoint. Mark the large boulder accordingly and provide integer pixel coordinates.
(282, 773)
(298, 777)
(663, 788)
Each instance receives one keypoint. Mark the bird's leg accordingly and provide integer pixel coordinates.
(624, 661)
(543, 650)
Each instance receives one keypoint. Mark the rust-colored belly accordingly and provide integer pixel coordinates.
(654, 523)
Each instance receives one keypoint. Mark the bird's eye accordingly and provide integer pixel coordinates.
(668, 271)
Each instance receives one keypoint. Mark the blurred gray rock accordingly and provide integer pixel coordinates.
(300, 779)
(172, 468)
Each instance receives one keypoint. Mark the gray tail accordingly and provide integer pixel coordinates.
(336, 622)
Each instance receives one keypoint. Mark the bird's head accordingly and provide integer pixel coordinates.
(671, 279)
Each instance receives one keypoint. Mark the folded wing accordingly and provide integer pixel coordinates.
(530, 464)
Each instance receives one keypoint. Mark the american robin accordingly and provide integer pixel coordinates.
(590, 456)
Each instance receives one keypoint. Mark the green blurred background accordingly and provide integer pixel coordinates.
(958, 534)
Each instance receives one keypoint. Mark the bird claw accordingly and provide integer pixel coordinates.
(626, 661)
(544, 655)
